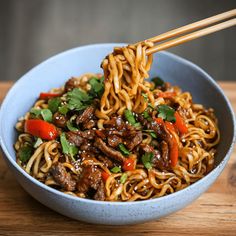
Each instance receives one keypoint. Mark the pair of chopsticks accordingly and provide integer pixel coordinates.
(191, 27)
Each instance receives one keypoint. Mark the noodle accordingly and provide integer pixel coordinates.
(125, 88)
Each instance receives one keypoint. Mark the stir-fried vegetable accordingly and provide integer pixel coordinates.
(166, 113)
(97, 87)
(116, 169)
(147, 159)
(47, 115)
(41, 129)
(123, 178)
(48, 95)
(129, 164)
(67, 147)
(25, 153)
(123, 149)
(53, 104)
(179, 124)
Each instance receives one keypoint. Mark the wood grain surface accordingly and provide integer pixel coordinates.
(214, 213)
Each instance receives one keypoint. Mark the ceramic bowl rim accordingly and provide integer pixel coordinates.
(89, 201)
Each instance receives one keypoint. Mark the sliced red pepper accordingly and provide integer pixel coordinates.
(41, 129)
(159, 121)
(173, 144)
(129, 164)
(179, 123)
(167, 94)
(48, 95)
(105, 176)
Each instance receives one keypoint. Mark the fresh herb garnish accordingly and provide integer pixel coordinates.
(70, 126)
(166, 113)
(116, 169)
(36, 112)
(47, 115)
(67, 147)
(123, 178)
(78, 99)
(123, 149)
(38, 142)
(145, 96)
(157, 81)
(63, 109)
(153, 134)
(130, 117)
(25, 153)
(53, 104)
(97, 87)
(147, 159)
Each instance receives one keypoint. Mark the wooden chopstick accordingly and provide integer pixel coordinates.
(191, 36)
(194, 26)
(191, 27)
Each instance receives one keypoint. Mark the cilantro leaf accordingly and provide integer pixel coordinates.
(67, 147)
(53, 104)
(116, 169)
(63, 109)
(129, 116)
(166, 113)
(97, 87)
(157, 81)
(25, 153)
(123, 149)
(78, 99)
(147, 159)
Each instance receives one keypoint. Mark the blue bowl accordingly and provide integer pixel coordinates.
(53, 73)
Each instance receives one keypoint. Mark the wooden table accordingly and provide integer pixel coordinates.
(214, 213)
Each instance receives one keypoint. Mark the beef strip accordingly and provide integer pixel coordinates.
(134, 140)
(59, 120)
(62, 177)
(71, 84)
(100, 194)
(90, 178)
(114, 140)
(106, 161)
(86, 115)
(75, 139)
(110, 152)
(89, 125)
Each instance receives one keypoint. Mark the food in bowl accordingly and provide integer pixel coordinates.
(118, 137)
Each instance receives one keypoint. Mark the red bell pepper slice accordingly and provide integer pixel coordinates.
(129, 164)
(105, 176)
(179, 123)
(41, 129)
(48, 95)
(167, 94)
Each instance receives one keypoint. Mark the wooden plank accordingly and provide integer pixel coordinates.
(214, 213)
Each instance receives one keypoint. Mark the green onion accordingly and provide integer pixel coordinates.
(47, 115)
(25, 153)
(146, 115)
(53, 104)
(67, 147)
(123, 178)
(38, 142)
(123, 149)
(153, 134)
(116, 169)
(145, 96)
(35, 111)
(129, 116)
(70, 126)
(147, 159)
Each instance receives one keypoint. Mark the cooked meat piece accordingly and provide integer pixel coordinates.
(114, 140)
(146, 148)
(165, 151)
(106, 161)
(71, 84)
(59, 120)
(100, 194)
(62, 177)
(89, 147)
(86, 115)
(115, 122)
(74, 138)
(89, 125)
(110, 152)
(87, 134)
(134, 140)
(90, 178)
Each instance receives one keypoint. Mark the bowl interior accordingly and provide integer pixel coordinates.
(55, 71)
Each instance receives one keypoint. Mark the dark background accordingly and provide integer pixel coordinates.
(33, 30)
